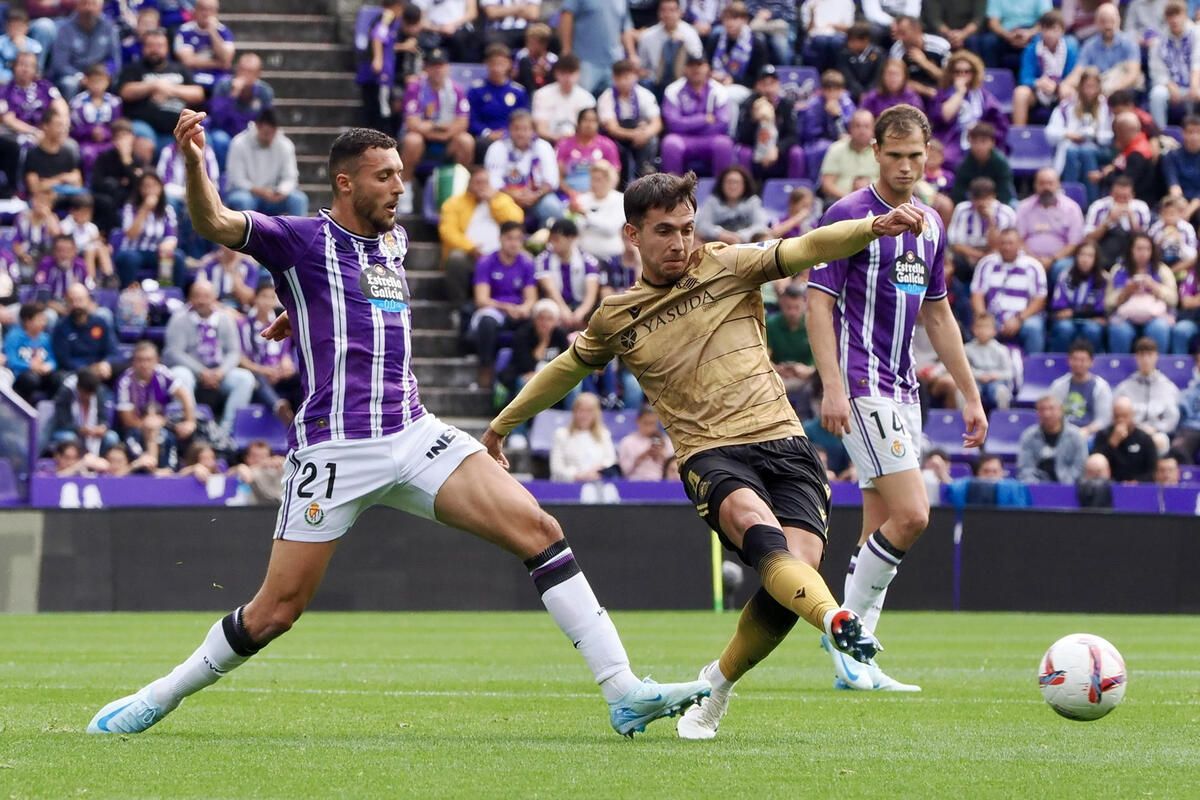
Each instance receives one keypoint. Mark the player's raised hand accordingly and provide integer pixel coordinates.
(835, 413)
(279, 329)
(904, 218)
(494, 443)
(977, 425)
(189, 134)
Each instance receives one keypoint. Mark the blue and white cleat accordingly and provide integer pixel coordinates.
(649, 701)
(880, 681)
(849, 674)
(132, 714)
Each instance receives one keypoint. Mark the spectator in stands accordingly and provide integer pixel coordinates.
(30, 356)
(577, 155)
(568, 276)
(524, 167)
(270, 362)
(83, 39)
(1112, 220)
(146, 390)
(1154, 396)
(149, 235)
(737, 53)
(924, 56)
(962, 24)
(1011, 286)
(171, 169)
(468, 231)
(535, 61)
(861, 61)
(982, 158)
(234, 276)
(1047, 59)
(1127, 100)
(536, 342)
(16, 40)
(1187, 324)
(262, 473)
(83, 338)
(1187, 435)
(1113, 52)
(1181, 168)
(1011, 26)
(199, 462)
(696, 110)
(237, 100)
(1080, 18)
(36, 228)
(663, 47)
(1131, 452)
(630, 115)
(120, 464)
(556, 106)
(791, 355)
(991, 363)
(961, 104)
(643, 453)
(26, 99)
(493, 102)
(975, 226)
(1136, 157)
(450, 24)
(776, 20)
(601, 33)
(1080, 129)
(1144, 21)
(263, 173)
(733, 213)
(377, 55)
(1053, 450)
(115, 174)
(883, 15)
(92, 113)
(767, 127)
(1166, 471)
(1086, 398)
(60, 270)
(83, 409)
(71, 460)
(828, 115)
(1077, 302)
(1141, 298)
(825, 24)
(436, 114)
(506, 21)
(1176, 238)
(620, 272)
(505, 291)
(1050, 224)
(205, 46)
(203, 349)
(147, 19)
(156, 89)
(893, 89)
(1096, 468)
(54, 162)
(803, 214)
(582, 450)
(850, 158)
(1174, 66)
(601, 214)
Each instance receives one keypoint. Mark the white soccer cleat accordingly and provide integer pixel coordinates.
(849, 673)
(132, 714)
(701, 720)
(881, 682)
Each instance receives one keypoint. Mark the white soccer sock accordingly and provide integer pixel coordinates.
(575, 609)
(874, 569)
(212, 659)
(717, 679)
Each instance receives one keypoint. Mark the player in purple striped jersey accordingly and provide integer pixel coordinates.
(861, 314)
(361, 437)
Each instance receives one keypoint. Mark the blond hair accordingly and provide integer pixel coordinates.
(589, 399)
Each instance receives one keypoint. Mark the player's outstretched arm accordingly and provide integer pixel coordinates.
(847, 237)
(835, 406)
(210, 218)
(946, 339)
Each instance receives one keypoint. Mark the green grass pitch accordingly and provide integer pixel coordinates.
(481, 705)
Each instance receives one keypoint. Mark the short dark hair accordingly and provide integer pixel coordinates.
(410, 14)
(793, 290)
(1082, 346)
(18, 15)
(349, 146)
(659, 190)
(985, 458)
(568, 63)
(1145, 344)
(1191, 119)
(87, 380)
(268, 117)
(982, 130)
(62, 447)
(750, 188)
(156, 32)
(859, 30)
(981, 187)
(29, 311)
(1122, 180)
(497, 49)
(510, 226)
(121, 125)
(81, 200)
(623, 67)
(564, 227)
(1052, 18)
(901, 120)
(96, 69)
(1121, 97)
(63, 237)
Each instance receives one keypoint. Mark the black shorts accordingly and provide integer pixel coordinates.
(786, 473)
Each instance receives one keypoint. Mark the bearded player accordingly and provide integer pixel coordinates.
(361, 437)
(691, 331)
(861, 314)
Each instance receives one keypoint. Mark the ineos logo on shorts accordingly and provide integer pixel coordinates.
(441, 444)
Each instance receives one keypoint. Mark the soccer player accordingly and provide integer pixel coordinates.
(861, 314)
(691, 331)
(361, 437)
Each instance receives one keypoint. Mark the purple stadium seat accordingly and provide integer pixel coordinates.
(620, 423)
(1175, 132)
(1005, 427)
(1040, 371)
(503, 359)
(1001, 83)
(468, 75)
(541, 432)
(1114, 367)
(1143, 497)
(1077, 192)
(775, 195)
(1053, 495)
(1180, 500)
(1189, 473)
(1178, 368)
(429, 208)
(257, 422)
(960, 469)
(366, 18)
(1028, 150)
(814, 155)
(704, 187)
(107, 298)
(944, 430)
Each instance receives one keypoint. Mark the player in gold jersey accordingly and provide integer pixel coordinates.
(691, 330)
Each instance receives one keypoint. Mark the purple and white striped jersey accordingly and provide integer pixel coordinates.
(222, 277)
(30, 102)
(1138, 218)
(969, 227)
(1008, 286)
(264, 352)
(155, 228)
(54, 278)
(880, 290)
(347, 299)
(86, 116)
(133, 395)
(190, 35)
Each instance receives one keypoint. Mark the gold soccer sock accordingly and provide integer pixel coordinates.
(762, 625)
(794, 584)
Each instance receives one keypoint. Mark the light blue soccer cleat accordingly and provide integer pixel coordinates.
(880, 681)
(850, 674)
(132, 714)
(649, 701)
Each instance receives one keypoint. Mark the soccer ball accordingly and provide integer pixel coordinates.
(1082, 677)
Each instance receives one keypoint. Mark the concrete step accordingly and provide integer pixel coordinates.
(299, 7)
(296, 112)
(427, 284)
(419, 229)
(423, 257)
(313, 139)
(326, 56)
(457, 372)
(280, 27)
(310, 83)
(453, 402)
(319, 195)
(435, 343)
(431, 315)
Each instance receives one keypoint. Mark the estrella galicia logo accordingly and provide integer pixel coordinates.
(688, 282)
(383, 288)
(634, 311)
(628, 339)
(910, 274)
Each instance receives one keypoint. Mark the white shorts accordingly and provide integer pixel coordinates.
(327, 485)
(885, 437)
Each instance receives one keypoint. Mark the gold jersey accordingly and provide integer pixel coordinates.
(698, 348)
